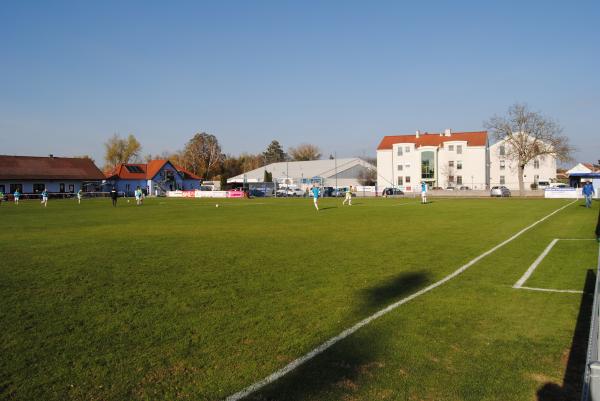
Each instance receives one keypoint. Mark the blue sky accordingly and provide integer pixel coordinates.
(337, 74)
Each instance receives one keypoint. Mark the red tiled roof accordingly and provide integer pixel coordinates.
(186, 172)
(593, 168)
(123, 173)
(477, 138)
(154, 167)
(48, 168)
(149, 171)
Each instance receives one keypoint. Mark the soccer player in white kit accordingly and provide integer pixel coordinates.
(45, 197)
(348, 197)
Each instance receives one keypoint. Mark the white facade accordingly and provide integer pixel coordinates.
(505, 172)
(441, 160)
(462, 159)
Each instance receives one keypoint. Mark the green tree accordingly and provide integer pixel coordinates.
(274, 153)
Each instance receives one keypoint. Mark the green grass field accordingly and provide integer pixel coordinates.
(180, 300)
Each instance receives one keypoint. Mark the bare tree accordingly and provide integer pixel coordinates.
(201, 155)
(121, 150)
(367, 177)
(528, 135)
(305, 151)
(448, 171)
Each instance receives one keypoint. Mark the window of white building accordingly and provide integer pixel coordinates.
(459, 179)
(502, 180)
(451, 178)
(407, 165)
(400, 181)
(399, 167)
(536, 164)
(458, 149)
(399, 150)
(459, 165)
(502, 150)
(407, 149)
(451, 163)
(407, 179)
(451, 148)
(502, 164)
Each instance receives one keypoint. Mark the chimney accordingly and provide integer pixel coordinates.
(418, 133)
(447, 132)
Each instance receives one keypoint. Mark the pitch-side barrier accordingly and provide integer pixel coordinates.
(591, 381)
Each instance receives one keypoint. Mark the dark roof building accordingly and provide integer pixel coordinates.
(31, 174)
(48, 168)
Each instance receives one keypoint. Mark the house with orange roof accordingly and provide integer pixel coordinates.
(154, 178)
(446, 159)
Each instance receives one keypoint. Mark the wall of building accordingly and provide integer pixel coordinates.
(410, 160)
(472, 162)
(472, 171)
(127, 186)
(384, 168)
(532, 174)
(52, 186)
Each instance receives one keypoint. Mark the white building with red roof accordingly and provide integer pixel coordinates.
(445, 159)
(454, 160)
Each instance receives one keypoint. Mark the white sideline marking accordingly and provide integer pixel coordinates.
(294, 364)
(550, 290)
(535, 264)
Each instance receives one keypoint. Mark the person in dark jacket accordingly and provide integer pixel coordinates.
(588, 192)
(114, 195)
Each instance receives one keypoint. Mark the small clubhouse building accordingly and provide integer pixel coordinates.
(32, 174)
(154, 178)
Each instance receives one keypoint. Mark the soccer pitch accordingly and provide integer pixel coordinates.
(180, 300)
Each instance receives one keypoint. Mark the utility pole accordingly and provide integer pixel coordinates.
(335, 161)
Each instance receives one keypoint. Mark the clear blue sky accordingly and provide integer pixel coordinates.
(337, 74)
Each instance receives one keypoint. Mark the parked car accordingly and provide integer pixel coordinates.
(450, 188)
(558, 185)
(500, 191)
(437, 188)
(392, 192)
(340, 192)
(327, 191)
(543, 184)
(257, 193)
(290, 192)
(464, 188)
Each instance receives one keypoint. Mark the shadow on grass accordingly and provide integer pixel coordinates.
(328, 207)
(385, 293)
(573, 379)
(336, 372)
